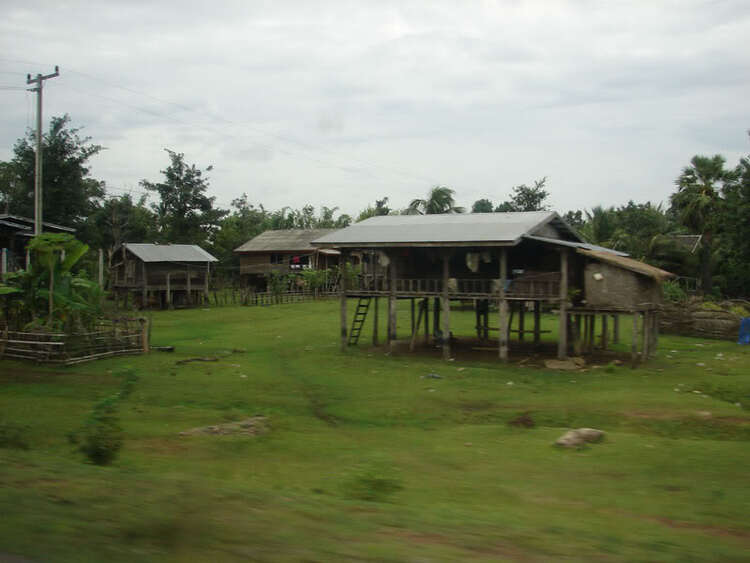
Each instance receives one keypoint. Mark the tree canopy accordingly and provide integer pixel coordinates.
(439, 200)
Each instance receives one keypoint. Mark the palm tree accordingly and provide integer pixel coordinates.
(439, 200)
(698, 204)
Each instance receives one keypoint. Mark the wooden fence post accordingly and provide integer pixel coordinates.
(144, 335)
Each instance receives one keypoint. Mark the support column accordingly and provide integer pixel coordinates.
(342, 298)
(412, 314)
(375, 341)
(145, 287)
(189, 289)
(502, 307)
(605, 332)
(537, 322)
(562, 342)
(205, 280)
(616, 329)
(592, 332)
(426, 305)
(655, 332)
(634, 344)
(169, 292)
(392, 306)
(446, 303)
(4, 262)
(646, 336)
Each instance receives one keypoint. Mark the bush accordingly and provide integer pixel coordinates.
(673, 292)
(102, 437)
(13, 436)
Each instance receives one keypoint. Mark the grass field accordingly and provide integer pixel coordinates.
(367, 459)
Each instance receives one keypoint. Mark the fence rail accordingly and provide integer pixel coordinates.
(109, 338)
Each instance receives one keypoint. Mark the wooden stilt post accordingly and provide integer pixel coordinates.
(446, 309)
(342, 299)
(646, 336)
(577, 336)
(392, 306)
(592, 332)
(537, 322)
(655, 332)
(205, 281)
(426, 305)
(436, 315)
(145, 287)
(521, 319)
(634, 344)
(189, 288)
(605, 335)
(411, 303)
(562, 342)
(616, 329)
(169, 292)
(502, 306)
(375, 340)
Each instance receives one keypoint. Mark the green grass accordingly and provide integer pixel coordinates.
(366, 460)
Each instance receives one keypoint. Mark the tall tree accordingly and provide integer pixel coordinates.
(699, 205)
(525, 198)
(482, 206)
(185, 213)
(245, 222)
(380, 208)
(735, 232)
(69, 194)
(439, 200)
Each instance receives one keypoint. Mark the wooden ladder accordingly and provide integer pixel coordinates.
(363, 305)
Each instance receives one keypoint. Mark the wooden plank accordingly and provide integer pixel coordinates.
(521, 320)
(537, 322)
(375, 341)
(502, 307)
(634, 343)
(562, 343)
(342, 299)
(605, 335)
(446, 309)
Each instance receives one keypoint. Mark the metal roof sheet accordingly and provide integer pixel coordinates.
(501, 228)
(284, 240)
(169, 252)
(574, 244)
(30, 222)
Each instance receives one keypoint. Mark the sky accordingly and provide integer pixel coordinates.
(341, 103)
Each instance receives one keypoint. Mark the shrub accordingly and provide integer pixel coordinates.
(102, 437)
(673, 292)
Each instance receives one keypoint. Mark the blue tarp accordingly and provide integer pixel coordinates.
(744, 331)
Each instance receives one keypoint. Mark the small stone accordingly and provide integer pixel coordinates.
(243, 376)
(673, 351)
(575, 438)
(468, 444)
(738, 404)
(433, 376)
(677, 390)
(460, 369)
(696, 391)
(510, 383)
(700, 364)
(669, 356)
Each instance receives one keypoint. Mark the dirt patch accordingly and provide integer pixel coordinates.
(248, 427)
(523, 420)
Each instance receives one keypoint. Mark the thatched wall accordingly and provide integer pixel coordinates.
(609, 286)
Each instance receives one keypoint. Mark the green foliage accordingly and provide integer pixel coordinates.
(13, 436)
(69, 194)
(185, 212)
(278, 283)
(526, 198)
(381, 208)
(439, 200)
(482, 206)
(315, 279)
(673, 292)
(49, 286)
(101, 437)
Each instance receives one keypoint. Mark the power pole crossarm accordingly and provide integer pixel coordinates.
(39, 81)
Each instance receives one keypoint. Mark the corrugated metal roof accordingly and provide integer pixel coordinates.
(287, 240)
(629, 264)
(169, 252)
(455, 228)
(574, 244)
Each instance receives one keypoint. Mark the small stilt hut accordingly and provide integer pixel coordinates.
(514, 260)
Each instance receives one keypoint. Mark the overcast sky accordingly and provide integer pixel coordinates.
(340, 103)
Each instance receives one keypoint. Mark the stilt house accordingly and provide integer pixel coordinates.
(15, 233)
(162, 275)
(512, 260)
(284, 251)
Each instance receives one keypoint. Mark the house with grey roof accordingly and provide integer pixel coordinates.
(15, 233)
(284, 251)
(514, 261)
(161, 275)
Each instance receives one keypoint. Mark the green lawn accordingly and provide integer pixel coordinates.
(670, 483)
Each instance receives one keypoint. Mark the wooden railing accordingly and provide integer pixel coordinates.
(544, 285)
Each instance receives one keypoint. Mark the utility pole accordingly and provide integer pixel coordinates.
(39, 81)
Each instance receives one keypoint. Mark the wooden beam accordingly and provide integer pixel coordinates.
(616, 329)
(375, 341)
(521, 320)
(646, 336)
(426, 305)
(446, 309)
(502, 307)
(634, 344)
(562, 342)
(537, 322)
(605, 335)
(189, 289)
(145, 287)
(342, 299)
(577, 340)
(169, 292)
(415, 327)
(392, 306)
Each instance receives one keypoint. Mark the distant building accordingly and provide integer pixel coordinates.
(284, 251)
(15, 232)
(161, 275)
